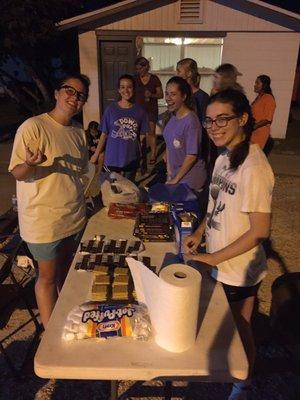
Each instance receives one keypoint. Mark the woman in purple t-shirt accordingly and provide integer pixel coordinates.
(124, 126)
(183, 136)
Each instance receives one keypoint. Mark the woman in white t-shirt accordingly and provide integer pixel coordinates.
(239, 213)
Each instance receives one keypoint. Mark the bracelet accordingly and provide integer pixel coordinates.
(30, 165)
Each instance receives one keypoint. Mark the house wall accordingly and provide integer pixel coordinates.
(272, 51)
(89, 66)
(273, 54)
(215, 18)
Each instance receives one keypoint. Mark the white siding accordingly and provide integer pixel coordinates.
(273, 54)
(89, 66)
(215, 18)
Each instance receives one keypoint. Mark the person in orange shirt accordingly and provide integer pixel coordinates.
(263, 108)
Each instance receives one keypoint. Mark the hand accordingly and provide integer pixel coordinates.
(191, 243)
(205, 258)
(148, 94)
(171, 182)
(33, 159)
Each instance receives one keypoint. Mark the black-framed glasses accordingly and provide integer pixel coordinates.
(220, 122)
(73, 92)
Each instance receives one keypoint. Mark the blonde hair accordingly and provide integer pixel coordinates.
(193, 68)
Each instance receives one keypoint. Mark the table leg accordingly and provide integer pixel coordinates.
(113, 390)
(131, 392)
(168, 390)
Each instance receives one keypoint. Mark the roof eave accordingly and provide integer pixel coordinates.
(264, 11)
(105, 16)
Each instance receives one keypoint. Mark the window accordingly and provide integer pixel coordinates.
(164, 53)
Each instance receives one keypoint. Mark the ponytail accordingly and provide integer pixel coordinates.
(239, 153)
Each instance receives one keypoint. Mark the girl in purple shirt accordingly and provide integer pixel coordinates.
(123, 126)
(183, 136)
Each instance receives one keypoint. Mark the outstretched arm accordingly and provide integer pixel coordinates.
(260, 224)
(188, 162)
(100, 147)
(191, 242)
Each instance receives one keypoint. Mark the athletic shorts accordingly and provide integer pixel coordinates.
(52, 250)
(238, 293)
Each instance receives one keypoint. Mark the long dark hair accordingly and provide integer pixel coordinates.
(184, 89)
(240, 105)
(92, 125)
(266, 83)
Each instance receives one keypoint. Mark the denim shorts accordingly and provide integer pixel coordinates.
(52, 250)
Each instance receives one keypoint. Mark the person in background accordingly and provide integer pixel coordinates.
(48, 159)
(187, 69)
(263, 108)
(225, 77)
(92, 136)
(148, 91)
(183, 136)
(239, 215)
(124, 127)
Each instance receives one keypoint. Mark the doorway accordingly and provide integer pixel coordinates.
(116, 58)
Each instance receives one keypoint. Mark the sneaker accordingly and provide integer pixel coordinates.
(239, 391)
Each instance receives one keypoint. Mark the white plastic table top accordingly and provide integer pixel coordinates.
(218, 354)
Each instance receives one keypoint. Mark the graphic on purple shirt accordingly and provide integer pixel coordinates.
(123, 127)
(183, 137)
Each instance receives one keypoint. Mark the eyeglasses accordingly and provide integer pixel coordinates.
(220, 122)
(73, 92)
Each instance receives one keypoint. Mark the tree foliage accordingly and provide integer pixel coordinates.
(28, 34)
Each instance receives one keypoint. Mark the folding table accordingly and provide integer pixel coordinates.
(217, 356)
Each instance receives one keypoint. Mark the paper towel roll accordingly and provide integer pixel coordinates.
(172, 300)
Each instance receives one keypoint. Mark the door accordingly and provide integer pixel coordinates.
(116, 59)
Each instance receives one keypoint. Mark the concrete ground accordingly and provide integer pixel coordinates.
(276, 371)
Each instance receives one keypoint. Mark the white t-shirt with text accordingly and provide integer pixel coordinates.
(233, 195)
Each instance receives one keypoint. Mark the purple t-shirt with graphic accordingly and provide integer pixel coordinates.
(183, 137)
(123, 127)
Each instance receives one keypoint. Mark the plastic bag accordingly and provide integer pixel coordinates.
(117, 189)
(105, 321)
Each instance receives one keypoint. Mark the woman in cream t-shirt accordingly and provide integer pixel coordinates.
(48, 160)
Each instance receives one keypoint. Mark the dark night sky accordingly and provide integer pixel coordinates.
(292, 5)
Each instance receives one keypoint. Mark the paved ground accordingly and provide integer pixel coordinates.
(276, 373)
